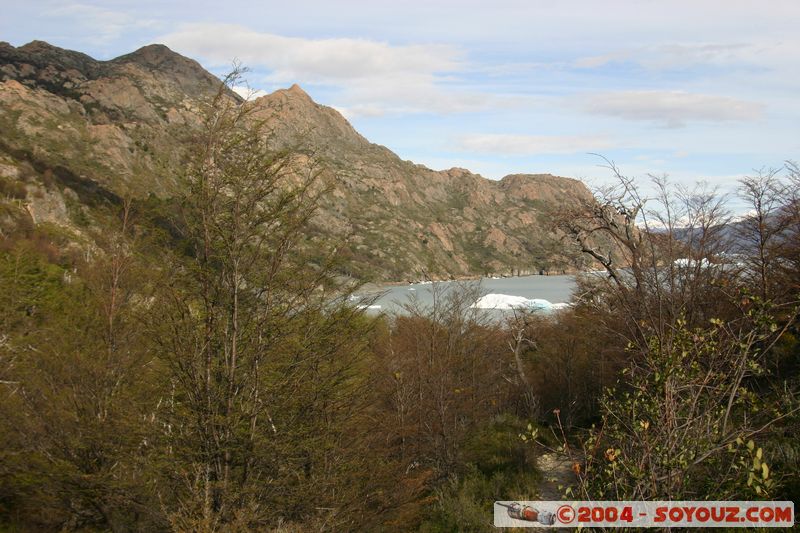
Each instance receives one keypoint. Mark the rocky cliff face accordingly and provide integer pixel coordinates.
(74, 128)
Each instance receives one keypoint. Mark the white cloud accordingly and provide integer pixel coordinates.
(101, 25)
(312, 60)
(672, 55)
(501, 144)
(375, 78)
(763, 54)
(671, 108)
(679, 55)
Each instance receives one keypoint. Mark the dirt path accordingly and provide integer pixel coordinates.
(556, 471)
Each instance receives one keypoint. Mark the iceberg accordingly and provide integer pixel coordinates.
(686, 262)
(500, 301)
(506, 302)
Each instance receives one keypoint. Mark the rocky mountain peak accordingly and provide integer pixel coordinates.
(170, 65)
(41, 55)
(155, 55)
(301, 117)
(294, 97)
(37, 46)
(296, 90)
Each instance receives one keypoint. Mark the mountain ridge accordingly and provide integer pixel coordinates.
(121, 124)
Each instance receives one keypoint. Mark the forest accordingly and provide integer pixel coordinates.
(195, 363)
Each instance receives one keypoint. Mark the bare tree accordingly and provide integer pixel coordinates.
(661, 253)
(761, 230)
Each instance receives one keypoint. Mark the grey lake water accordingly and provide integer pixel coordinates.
(553, 288)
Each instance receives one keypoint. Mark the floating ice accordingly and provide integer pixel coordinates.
(508, 302)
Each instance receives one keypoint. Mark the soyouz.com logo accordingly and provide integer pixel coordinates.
(643, 514)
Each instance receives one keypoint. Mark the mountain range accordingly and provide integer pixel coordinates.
(77, 131)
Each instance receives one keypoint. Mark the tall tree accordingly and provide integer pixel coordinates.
(263, 349)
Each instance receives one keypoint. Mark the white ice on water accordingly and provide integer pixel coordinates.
(507, 302)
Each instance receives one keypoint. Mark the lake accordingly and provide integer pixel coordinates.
(553, 288)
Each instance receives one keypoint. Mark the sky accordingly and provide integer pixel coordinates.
(702, 91)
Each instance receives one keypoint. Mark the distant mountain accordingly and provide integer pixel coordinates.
(76, 130)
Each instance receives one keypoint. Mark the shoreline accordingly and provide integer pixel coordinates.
(395, 283)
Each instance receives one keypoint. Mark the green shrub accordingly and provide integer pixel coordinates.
(498, 466)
